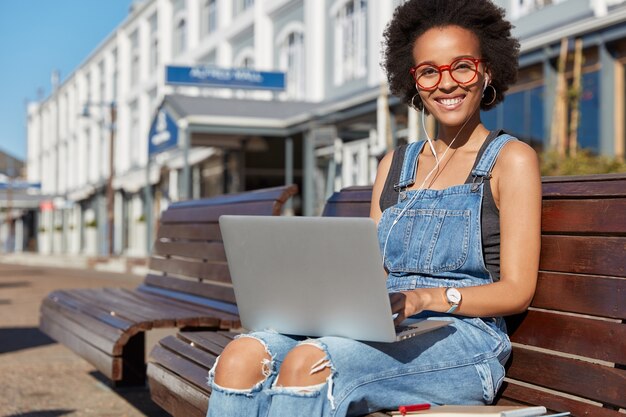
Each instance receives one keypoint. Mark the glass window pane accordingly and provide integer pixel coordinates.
(589, 127)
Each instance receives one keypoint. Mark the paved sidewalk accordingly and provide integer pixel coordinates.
(40, 378)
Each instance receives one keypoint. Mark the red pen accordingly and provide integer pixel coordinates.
(414, 407)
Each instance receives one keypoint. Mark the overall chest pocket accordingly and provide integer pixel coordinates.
(428, 240)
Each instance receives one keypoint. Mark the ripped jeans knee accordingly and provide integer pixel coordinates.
(313, 390)
(267, 369)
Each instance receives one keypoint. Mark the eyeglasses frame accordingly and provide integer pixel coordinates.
(442, 68)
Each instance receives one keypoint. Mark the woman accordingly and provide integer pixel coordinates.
(459, 224)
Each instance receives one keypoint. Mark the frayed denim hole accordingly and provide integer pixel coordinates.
(267, 369)
(312, 391)
(323, 363)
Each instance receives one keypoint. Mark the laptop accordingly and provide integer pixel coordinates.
(312, 276)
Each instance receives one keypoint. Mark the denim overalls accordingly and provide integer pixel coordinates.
(436, 242)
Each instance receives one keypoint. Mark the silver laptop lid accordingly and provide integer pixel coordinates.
(313, 276)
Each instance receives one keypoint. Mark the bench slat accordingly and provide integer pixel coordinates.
(212, 342)
(174, 394)
(339, 210)
(191, 231)
(102, 336)
(527, 395)
(603, 296)
(70, 301)
(182, 315)
(597, 339)
(119, 308)
(204, 289)
(212, 214)
(225, 312)
(584, 255)
(280, 194)
(180, 365)
(583, 379)
(598, 216)
(212, 271)
(198, 356)
(584, 186)
(209, 251)
(110, 366)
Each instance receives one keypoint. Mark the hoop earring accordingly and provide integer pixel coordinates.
(412, 103)
(495, 94)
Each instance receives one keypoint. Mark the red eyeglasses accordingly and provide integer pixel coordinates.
(463, 71)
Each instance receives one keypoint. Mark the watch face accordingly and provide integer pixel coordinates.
(453, 295)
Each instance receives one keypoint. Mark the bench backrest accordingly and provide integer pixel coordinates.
(570, 347)
(573, 338)
(188, 254)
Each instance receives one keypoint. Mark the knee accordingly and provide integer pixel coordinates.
(243, 364)
(304, 366)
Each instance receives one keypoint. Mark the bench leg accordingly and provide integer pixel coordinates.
(133, 362)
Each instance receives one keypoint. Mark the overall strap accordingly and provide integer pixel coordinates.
(489, 157)
(483, 168)
(409, 166)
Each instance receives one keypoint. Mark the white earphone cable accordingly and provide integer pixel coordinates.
(420, 190)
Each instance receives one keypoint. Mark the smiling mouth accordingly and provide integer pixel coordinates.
(450, 102)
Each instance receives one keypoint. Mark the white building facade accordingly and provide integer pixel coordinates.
(341, 122)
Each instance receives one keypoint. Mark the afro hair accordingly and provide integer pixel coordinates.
(481, 17)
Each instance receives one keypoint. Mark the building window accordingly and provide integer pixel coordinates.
(291, 60)
(105, 137)
(134, 58)
(180, 27)
(520, 8)
(180, 36)
(209, 16)
(245, 59)
(241, 5)
(522, 113)
(589, 127)
(133, 136)
(88, 86)
(154, 42)
(350, 40)
(114, 77)
(102, 79)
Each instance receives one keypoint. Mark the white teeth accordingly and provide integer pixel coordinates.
(450, 101)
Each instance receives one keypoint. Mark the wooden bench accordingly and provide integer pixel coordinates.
(187, 287)
(569, 349)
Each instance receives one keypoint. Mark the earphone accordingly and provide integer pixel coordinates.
(486, 83)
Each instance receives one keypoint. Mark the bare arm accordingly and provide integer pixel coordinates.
(379, 183)
(518, 191)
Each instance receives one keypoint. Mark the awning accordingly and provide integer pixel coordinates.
(238, 118)
(22, 199)
(135, 180)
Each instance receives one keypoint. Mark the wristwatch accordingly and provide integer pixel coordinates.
(453, 297)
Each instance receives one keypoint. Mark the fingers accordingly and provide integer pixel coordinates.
(398, 306)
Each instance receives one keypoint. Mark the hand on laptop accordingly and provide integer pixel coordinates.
(405, 304)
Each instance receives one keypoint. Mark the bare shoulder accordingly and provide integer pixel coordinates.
(517, 158)
(385, 163)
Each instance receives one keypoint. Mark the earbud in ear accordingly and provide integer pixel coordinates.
(486, 83)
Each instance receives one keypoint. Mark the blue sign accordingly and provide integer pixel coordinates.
(19, 185)
(163, 133)
(225, 77)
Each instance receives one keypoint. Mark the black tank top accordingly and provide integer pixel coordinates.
(490, 215)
